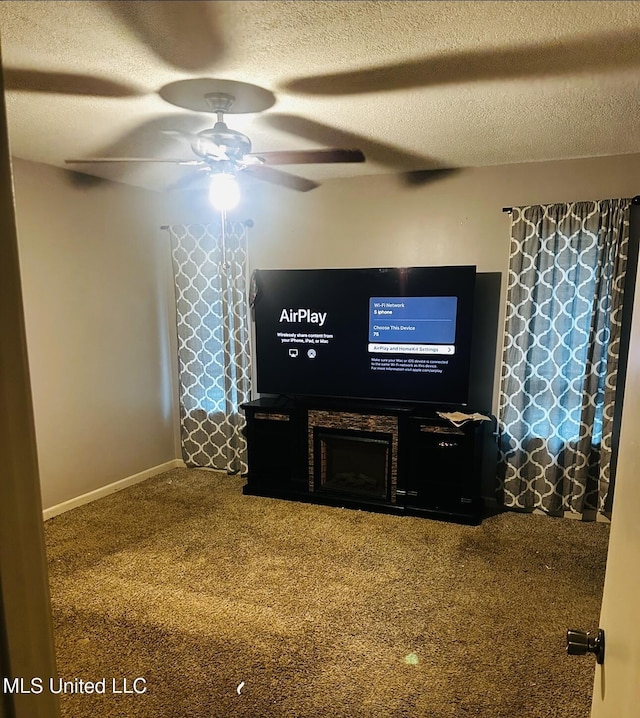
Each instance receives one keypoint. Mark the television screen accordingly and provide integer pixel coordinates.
(400, 334)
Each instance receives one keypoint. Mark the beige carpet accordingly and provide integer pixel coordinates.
(186, 583)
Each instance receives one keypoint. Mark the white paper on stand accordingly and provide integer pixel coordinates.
(458, 418)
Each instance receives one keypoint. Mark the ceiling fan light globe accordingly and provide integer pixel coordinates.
(224, 192)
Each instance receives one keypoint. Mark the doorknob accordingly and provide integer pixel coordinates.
(581, 642)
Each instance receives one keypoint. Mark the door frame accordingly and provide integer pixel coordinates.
(26, 635)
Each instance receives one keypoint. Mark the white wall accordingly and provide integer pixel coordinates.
(96, 285)
(375, 220)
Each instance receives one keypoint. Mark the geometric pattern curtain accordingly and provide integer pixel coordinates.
(210, 271)
(559, 371)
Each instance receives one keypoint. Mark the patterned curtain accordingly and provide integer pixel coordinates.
(563, 326)
(210, 267)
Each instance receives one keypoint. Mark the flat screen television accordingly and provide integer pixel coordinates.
(391, 334)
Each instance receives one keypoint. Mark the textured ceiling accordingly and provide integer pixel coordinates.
(416, 85)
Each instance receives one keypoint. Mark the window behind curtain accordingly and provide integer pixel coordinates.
(563, 327)
(210, 269)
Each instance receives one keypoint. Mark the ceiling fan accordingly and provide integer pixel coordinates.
(223, 150)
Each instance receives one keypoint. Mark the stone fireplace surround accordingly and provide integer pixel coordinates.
(352, 422)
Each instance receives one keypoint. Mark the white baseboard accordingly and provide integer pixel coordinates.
(111, 488)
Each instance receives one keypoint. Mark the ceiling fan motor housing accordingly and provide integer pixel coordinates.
(221, 143)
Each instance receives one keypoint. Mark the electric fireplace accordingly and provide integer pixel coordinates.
(353, 456)
(353, 463)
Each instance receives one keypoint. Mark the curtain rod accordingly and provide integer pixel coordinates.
(634, 200)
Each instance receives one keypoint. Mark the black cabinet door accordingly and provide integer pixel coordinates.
(273, 449)
(442, 471)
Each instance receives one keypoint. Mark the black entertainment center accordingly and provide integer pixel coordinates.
(355, 368)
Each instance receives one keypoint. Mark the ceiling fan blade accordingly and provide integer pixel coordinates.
(147, 141)
(376, 151)
(567, 55)
(269, 174)
(94, 160)
(303, 157)
(66, 83)
(183, 33)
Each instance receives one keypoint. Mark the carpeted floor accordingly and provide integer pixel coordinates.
(231, 605)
